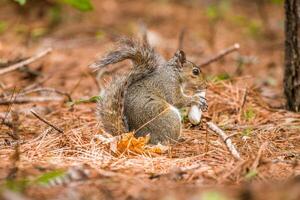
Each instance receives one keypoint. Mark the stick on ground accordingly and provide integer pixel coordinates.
(19, 100)
(53, 90)
(225, 138)
(221, 54)
(46, 121)
(25, 62)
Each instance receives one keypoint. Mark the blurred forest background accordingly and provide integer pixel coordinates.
(70, 25)
(33, 156)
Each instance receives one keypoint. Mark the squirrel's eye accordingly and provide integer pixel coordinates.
(196, 71)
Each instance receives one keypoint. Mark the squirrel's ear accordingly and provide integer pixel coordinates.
(180, 55)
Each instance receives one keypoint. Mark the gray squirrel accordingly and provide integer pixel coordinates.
(146, 100)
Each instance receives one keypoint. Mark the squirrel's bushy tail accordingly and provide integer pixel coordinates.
(140, 53)
(145, 60)
(109, 109)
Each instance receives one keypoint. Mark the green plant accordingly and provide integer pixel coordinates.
(21, 2)
(255, 28)
(215, 12)
(100, 34)
(38, 32)
(19, 185)
(220, 77)
(45, 178)
(93, 99)
(213, 195)
(3, 26)
(247, 132)
(82, 5)
(251, 27)
(249, 114)
(251, 174)
(277, 2)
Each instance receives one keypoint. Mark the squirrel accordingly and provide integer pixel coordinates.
(147, 99)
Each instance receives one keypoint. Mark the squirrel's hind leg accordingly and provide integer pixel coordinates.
(165, 128)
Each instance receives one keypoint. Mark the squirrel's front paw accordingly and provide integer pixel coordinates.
(200, 101)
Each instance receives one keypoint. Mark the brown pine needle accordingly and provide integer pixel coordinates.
(259, 154)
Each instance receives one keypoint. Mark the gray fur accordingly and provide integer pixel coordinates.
(145, 100)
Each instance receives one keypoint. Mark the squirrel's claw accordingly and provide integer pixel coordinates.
(200, 101)
(204, 107)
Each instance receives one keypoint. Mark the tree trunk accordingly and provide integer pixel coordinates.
(292, 56)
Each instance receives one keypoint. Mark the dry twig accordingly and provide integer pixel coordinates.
(46, 121)
(220, 55)
(47, 90)
(20, 100)
(25, 62)
(225, 138)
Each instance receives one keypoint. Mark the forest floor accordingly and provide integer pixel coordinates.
(244, 95)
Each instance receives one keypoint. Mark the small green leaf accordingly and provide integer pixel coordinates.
(249, 114)
(223, 76)
(82, 5)
(17, 185)
(79, 101)
(212, 12)
(94, 99)
(224, 6)
(278, 2)
(251, 174)
(45, 178)
(255, 28)
(100, 35)
(216, 11)
(213, 195)
(239, 20)
(21, 2)
(38, 32)
(219, 77)
(3, 26)
(247, 132)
